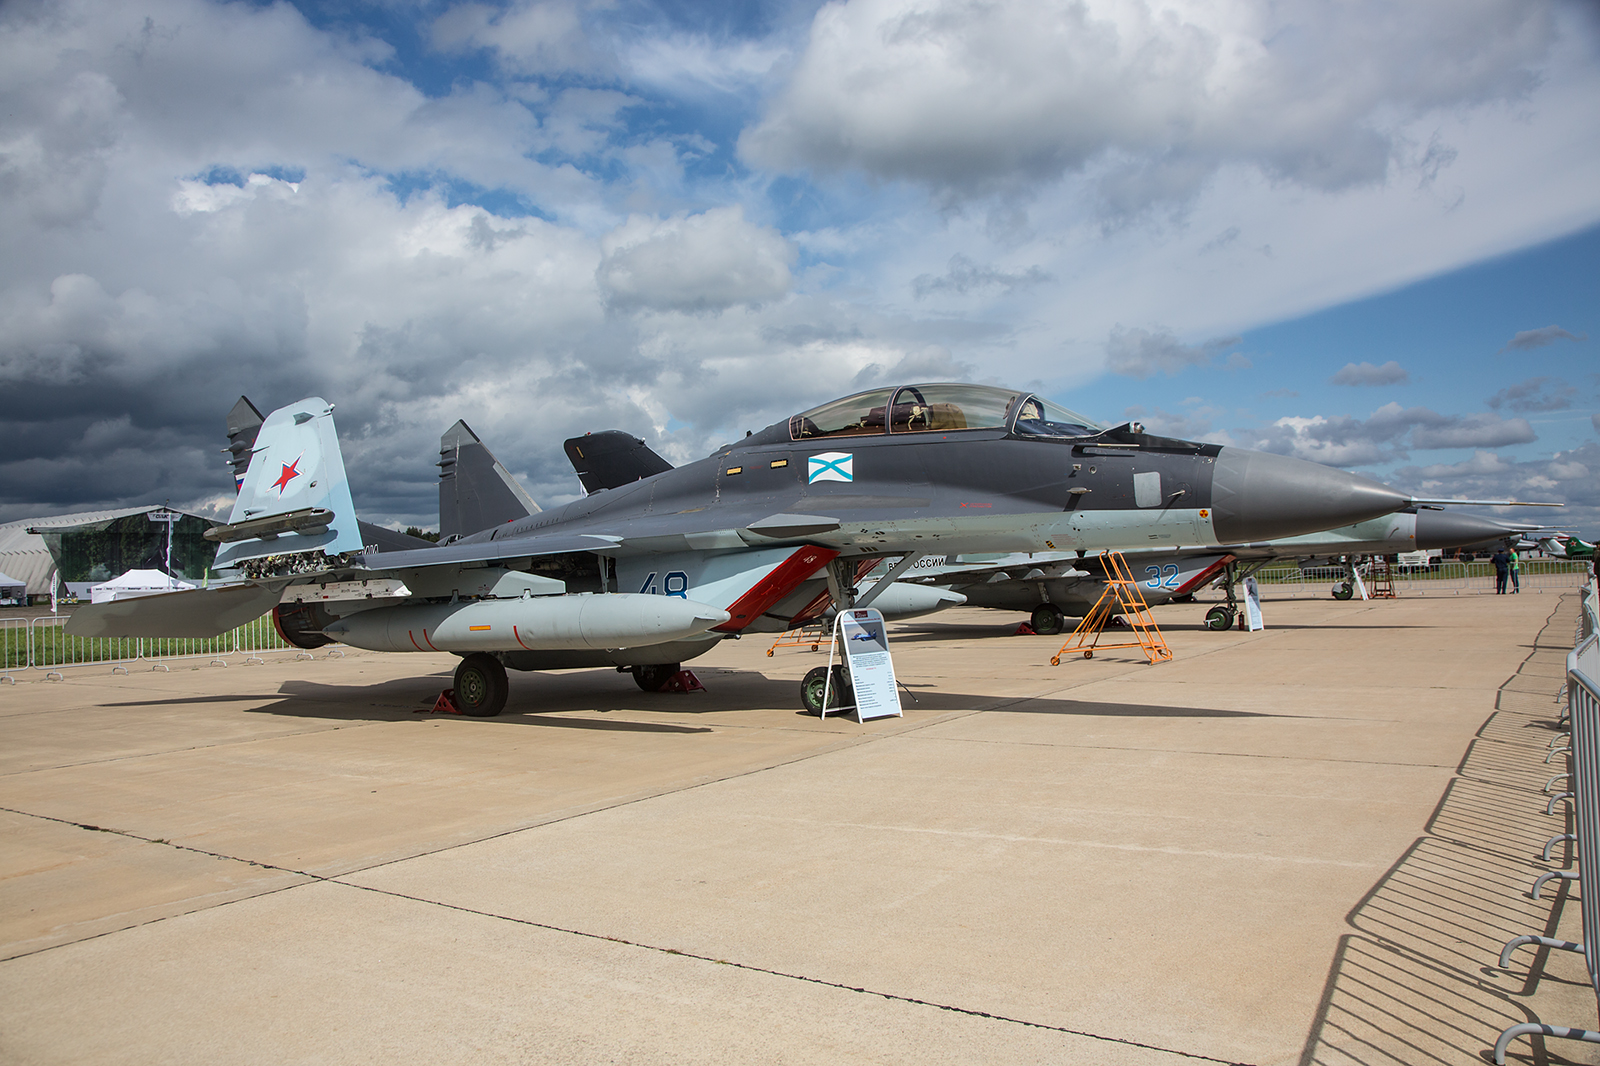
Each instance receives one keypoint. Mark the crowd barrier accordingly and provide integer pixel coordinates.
(1446, 579)
(43, 644)
(1583, 798)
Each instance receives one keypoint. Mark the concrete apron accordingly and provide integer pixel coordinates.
(1303, 845)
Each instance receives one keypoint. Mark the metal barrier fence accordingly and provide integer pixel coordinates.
(1446, 579)
(43, 644)
(13, 648)
(1583, 717)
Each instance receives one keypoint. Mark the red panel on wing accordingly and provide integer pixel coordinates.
(1203, 576)
(784, 579)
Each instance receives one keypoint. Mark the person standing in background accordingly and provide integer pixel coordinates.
(1516, 570)
(1502, 568)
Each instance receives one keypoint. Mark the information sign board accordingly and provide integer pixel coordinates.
(1252, 605)
(866, 654)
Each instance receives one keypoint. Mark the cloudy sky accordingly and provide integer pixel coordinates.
(1362, 233)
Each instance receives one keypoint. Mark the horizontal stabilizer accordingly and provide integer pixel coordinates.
(475, 491)
(611, 459)
(190, 613)
(295, 496)
(378, 539)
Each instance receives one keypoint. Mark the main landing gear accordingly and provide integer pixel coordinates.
(1048, 619)
(654, 678)
(481, 685)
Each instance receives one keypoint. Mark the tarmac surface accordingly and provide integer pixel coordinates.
(1299, 846)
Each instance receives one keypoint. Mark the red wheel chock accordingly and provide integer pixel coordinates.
(1025, 630)
(683, 681)
(445, 704)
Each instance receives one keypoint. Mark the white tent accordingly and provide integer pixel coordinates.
(136, 583)
(12, 590)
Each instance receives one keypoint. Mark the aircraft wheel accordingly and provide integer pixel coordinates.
(654, 678)
(811, 689)
(1343, 592)
(1047, 619)
(481, 686)
(1219, 618)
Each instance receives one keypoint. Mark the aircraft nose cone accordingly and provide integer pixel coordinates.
(1258, 496)
(1447, 529)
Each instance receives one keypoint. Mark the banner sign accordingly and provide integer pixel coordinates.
(1361, 586)
(866, 652)
(1252, 605)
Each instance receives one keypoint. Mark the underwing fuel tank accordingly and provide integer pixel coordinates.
(532, 623)
(901, 601)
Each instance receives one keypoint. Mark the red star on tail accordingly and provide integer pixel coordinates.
(288, 475)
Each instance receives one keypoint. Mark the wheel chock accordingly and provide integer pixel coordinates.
(683, 681)
(445, 704)
(1025, 630)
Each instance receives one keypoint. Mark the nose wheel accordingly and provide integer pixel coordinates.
(1220, 618)
(838, 691)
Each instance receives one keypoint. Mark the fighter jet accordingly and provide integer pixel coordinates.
(1053, 586)
(1569, 546)
(648, 574)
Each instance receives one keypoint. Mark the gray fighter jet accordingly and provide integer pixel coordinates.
(1052, 586)
(645, 575)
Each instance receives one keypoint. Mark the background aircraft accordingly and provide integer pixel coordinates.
(647, 574)
(1054, 586)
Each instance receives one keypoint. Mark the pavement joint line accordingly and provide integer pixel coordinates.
(748, 967)
(178, 751)
(176, 847)
(823, 982)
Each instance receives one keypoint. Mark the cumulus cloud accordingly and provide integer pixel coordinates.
(964, 276)
(694, 263)
(1388, 434)
(1538, 338)
(1390, 373)
(1535, 394)
(971, 98)
(527, 225)
(527, 36)
(224, 200)
(1142, 353)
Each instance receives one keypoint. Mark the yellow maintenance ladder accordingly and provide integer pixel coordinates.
(812, 633)
(1122, 593)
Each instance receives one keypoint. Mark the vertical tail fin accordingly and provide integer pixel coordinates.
(475, 491)
(244, 423)
(295, 497)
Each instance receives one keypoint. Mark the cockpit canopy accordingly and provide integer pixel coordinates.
(940, 408)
